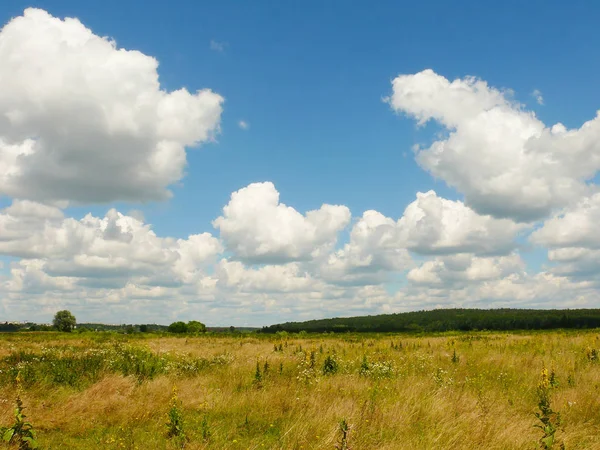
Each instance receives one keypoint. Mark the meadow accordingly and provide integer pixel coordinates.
(477, 390)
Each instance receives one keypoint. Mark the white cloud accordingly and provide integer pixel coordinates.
(537, 94)
(116, 248)
(375, 249)
(217, 46)
(434, 225)
(271, 278)
(259, 229)
(97, 127)
(454, 271)
(504, 160)
(379, 246)
(574, 227)
(573, 239)
(84, 121)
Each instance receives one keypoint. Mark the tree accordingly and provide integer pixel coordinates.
(64, 321)
(178, 327)
(193, 326)
(143, 328)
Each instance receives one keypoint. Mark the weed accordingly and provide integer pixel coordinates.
(550, 419)
(330, 365)
(21, 432)
(364, 366)
(206, 433)
(455, 357)
(258, 375)
(591, 354)
(175, 422)
(344, 429)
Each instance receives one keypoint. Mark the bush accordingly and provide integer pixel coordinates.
(178, 327)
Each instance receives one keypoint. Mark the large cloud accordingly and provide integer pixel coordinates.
(115, 248)
(454, 271)
(434, 225)
(574, 227)
(573, 239)
(259, 229)
(82, 120)
(504, 160)
(430, 225)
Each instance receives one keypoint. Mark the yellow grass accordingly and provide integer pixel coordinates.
(412, 397)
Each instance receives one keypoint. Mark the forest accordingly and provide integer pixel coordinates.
(450, 320)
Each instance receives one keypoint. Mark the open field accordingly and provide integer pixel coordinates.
(450, 391)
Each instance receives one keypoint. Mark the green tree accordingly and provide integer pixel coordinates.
(64, 321)
(143, 328)
(178, 327)
(193, 326)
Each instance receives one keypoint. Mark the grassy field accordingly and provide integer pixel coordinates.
(451, 391)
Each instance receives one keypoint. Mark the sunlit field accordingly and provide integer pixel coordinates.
(331, 391)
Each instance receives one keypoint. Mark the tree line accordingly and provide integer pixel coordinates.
(450, 320)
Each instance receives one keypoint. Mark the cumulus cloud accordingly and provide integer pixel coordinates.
(257, 228)
(270, 278)
(96, 126)
(380, 246)
(456, 270)
(504, 160)
(573, 239)
(375, 249)
(574, 227)
(115, 248)
(434, 225)
(82, 120)
(537, 94)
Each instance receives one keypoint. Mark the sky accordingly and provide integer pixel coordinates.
(250, 163)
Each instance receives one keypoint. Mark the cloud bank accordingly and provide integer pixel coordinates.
(85, 122)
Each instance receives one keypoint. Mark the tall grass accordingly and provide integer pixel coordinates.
(448, 391)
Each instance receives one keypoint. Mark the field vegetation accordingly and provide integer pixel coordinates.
(472, 390)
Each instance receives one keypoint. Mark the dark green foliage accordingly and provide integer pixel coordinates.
(330, 365)
(257, 375)
(455, 357)
(450, 320)
(193, 326)
(64, 321)
(178, 327)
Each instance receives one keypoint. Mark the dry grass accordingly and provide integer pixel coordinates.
(413, 396)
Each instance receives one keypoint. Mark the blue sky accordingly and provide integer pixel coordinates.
(309, 79)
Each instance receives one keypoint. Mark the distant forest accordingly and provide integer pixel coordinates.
(450, 320)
